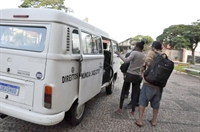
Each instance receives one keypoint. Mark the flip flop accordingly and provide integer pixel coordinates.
(152, 123)
(131, 113)
(138, 124)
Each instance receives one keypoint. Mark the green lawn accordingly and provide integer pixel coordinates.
(180, 68)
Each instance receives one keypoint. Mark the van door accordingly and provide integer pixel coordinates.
(116, 60)
(91, 67)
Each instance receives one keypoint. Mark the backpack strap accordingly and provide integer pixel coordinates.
(163, 54)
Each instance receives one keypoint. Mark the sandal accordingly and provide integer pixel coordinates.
(131, 113)
(152, 123)
(118, 111)
(140, 125)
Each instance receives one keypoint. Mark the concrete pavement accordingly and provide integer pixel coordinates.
(179, 112)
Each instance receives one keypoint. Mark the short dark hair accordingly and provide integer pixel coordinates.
(105, 45)
(156, 45)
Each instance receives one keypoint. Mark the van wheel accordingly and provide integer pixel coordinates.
(76, 114)
(110, 87)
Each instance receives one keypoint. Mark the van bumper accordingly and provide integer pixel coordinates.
(30, 116)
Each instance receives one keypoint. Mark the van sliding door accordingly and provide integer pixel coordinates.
(91, 67)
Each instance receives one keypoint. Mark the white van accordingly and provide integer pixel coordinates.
(51, 64)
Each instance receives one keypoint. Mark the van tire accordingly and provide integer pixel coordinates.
(110, 87)
(74, 119)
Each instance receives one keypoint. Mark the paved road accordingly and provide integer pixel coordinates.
(180, 112)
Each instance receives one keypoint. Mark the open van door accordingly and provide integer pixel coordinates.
(116, 60)
(91, 67)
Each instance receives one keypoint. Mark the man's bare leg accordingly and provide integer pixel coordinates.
(155, 113)
(141, 113)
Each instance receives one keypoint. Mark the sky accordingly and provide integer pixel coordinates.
(123, 19)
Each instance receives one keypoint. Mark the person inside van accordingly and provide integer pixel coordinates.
(107, 61)
(133, 75)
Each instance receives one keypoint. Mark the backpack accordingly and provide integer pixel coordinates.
(159, 71)
(124, 66)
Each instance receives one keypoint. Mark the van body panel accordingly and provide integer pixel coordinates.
(31, 116)
(63, 76)
(15, 90)
(31, 67)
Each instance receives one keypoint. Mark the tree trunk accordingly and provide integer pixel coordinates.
(193, 56)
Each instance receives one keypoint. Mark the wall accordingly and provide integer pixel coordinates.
(182, 55)
(175, 55)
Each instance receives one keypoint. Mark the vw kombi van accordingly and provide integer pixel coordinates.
(51, 65)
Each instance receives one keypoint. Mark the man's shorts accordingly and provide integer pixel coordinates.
(150, 94)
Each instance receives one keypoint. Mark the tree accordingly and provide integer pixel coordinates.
(182, 36)
(172, 35)
(192, 34)
(51, 4)
(147, 39)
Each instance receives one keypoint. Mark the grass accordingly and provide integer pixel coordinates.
(180, 68)
(195, 73)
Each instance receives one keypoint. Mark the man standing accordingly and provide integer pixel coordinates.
(149, 92)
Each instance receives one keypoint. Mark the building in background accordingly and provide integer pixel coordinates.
(124, 46)
(182, 55)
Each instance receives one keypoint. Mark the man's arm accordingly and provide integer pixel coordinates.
(149, 58)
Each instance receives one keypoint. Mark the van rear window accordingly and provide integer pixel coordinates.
(22, 38)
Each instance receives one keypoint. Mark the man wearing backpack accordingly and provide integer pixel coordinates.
(149, 92)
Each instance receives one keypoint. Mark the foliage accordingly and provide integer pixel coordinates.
(51, 4)
(147, 39)
(182, 36)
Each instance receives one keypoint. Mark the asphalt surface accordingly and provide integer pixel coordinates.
(179, 112)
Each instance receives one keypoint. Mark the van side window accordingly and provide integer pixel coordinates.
(75, 42)
(86, 39)
(89, 44)
(98, 43)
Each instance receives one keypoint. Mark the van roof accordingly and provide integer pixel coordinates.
(48, 15)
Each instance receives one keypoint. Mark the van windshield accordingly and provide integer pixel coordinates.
(22, 38)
